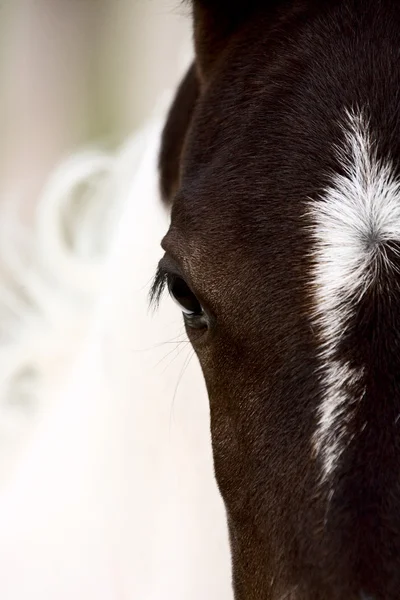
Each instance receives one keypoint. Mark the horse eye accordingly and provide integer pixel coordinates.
(185, 298)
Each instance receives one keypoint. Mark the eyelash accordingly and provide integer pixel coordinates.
(159, 285)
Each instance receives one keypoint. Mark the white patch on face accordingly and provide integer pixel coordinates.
(352, 223)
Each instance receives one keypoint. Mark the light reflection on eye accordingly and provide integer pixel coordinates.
(181, 293)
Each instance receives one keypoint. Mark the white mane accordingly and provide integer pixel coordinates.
(114, 495)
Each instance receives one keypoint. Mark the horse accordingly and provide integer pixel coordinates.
(280, 162)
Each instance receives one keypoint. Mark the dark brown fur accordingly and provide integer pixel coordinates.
(249, 139)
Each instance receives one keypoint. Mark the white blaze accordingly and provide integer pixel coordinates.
(358, 214)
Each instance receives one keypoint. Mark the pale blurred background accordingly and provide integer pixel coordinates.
(107, 489)
(74, 75)
(74, 72)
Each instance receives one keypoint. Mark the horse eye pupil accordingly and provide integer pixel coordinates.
(184, 297)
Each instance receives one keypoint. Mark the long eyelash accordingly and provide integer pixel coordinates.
(158, 287)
